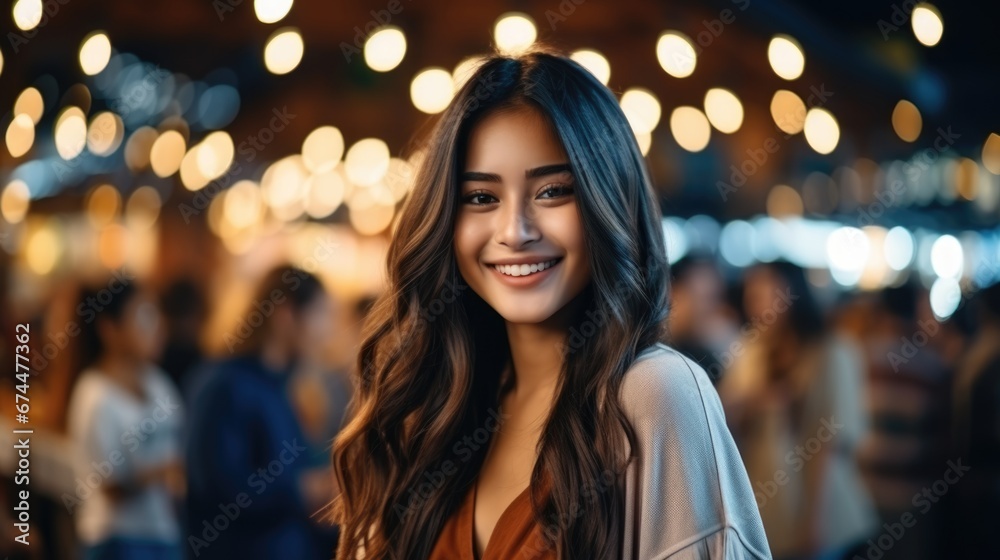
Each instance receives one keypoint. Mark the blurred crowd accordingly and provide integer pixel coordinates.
(869, 427)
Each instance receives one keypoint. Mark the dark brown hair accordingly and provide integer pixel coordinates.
(433, 350)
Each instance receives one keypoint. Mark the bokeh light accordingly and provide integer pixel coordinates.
(641, 108)
(723, 110)
(676, 54)
(788, 111)
(786, 57)
(27, 14)
(514, 32)
(95, 52)
(283, 51)
(690, 128)
(385, 49)
(271, 11)
(594, 62)
(821, 130)
(431, 90)
(15, 201)
(927, 24)
(906, 121)
(367, 161)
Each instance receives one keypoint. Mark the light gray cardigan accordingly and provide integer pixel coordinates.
(687, 493)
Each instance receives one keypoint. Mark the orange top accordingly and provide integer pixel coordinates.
(516, 534)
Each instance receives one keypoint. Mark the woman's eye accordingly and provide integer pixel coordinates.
(474, 197)
(558, 190)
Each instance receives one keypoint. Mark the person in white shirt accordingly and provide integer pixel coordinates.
(124, 418)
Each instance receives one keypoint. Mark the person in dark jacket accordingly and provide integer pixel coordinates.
(254, 484)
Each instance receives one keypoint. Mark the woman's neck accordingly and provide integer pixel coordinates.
(124, 371)
(537, 352)
(536, 359)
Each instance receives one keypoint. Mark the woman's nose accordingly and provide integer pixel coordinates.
(516, 225)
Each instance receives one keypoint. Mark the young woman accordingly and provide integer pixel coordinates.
(125, 419)
(514, 397)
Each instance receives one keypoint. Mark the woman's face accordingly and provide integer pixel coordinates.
(140, 330)
(518, 208)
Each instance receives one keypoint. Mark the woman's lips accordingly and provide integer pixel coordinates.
(527, 281)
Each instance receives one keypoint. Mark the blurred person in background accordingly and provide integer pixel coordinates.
(699, 324)
(795, 400)
(908, 405)
(320, 394)
(976, 430)
(125, 419)
(254, 483)
(184, 312)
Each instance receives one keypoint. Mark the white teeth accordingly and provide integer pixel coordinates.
(523, 269)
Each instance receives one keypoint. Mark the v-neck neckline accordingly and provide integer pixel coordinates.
(471, 529)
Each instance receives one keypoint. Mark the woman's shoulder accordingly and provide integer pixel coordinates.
(690, 491)
(664, 381)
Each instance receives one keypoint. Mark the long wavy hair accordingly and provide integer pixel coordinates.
(433, 351)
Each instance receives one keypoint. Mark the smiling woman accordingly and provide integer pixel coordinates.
(617, 449)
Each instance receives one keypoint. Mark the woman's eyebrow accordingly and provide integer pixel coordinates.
(480, 176)
(528, 174)
(547, 170)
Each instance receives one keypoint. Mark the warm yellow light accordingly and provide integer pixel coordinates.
(244, 204)
(676, 54)
(431, 90)
(322, 149)
(71, 133)
(370, 211)
(143, 208)
(641, 108)
(103, 205)
(788, 111)
(27, 14)
(138, 147)
(105, 133)
(15, 201)
(30, 103)
(385, 49)
(367, 161)
(991, 153)
(283, 186)
(927, 24)
(271, 11)
(784, 201)
(43, 250)
(821, 130)
(724, 110)
(283, 51)
(786, 57)
(464, 70)
(906, 120)
(190, 172)
(324, 193)
(167, 152)
(645, 140)
(595, 62)
(399, 178)
(966, 178)
(215, 154)
(95, 53)
(514, 32)
(113, 246)
(20, 135)
(690, 128)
